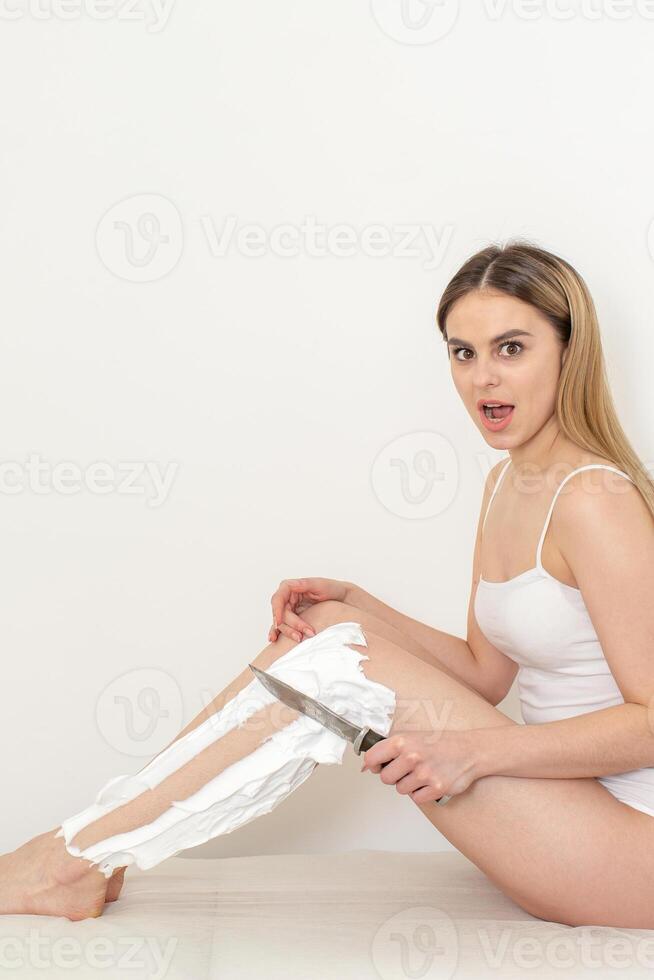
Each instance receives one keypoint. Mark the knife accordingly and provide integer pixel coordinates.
(362, 738)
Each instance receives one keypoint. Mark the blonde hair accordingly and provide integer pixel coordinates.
(584, 407)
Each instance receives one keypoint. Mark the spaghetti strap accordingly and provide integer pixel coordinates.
(494, 490)
(588, 466)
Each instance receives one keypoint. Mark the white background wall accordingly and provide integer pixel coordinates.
(267, 385)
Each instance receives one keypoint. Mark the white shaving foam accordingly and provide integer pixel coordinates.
(321, 666)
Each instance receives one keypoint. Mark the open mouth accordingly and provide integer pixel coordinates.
(497, 412)
(495, 415)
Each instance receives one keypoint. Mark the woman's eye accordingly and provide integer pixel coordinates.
(507, 343)
(513, 343)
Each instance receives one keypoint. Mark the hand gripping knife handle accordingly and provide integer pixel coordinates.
(367, 738)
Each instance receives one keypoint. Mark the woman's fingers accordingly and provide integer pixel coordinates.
(287, 631)
(278, 601)
(281, 598)
(296, 625)
(291, 633)
(293, 627)
(285, 598)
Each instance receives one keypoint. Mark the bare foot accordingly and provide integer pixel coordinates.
(42, 878)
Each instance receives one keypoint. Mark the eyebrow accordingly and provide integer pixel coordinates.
(495, 340)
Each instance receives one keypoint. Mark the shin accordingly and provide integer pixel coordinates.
(109, 833)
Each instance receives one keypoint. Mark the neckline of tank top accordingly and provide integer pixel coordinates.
(538, 567)
(542, 572)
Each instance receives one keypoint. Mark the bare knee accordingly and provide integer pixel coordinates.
(331, 611)
(320, 616)
(324, 614)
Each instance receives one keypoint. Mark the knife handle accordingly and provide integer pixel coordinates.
(367, 738)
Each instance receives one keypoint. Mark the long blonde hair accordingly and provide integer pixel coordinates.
(584, 407)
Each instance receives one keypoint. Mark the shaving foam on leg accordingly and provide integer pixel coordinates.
(323, 667)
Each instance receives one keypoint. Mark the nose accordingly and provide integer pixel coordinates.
(485, 374)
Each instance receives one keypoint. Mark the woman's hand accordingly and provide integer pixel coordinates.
(293, 596)
(428, 765)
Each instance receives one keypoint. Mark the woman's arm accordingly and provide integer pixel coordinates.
(597, 743)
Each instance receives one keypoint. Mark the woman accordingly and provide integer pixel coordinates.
(571, 839)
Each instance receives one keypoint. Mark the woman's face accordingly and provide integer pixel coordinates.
(506, 351)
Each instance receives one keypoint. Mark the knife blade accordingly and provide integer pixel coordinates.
(362, 738)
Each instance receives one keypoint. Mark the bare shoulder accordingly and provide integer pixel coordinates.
(594, 496)
(606, 537)
(599, 464)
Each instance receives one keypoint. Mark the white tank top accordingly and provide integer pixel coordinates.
(543, 625)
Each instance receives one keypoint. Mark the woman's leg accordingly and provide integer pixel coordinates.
(563, 849)
(42, 876)
(340, 613)
(222, 750)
